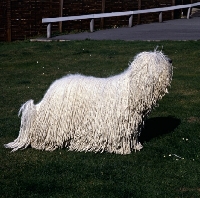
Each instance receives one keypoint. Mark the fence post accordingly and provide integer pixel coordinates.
(8, 19)
(92, 25)
(49, 30)
(60, 15)
(160, 17)
(130, 24)
(139, 8)
(103, 11)
(188, 13)
(172, 12)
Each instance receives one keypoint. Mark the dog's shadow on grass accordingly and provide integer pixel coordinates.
(155, 127)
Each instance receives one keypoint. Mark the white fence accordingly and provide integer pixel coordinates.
(114, 14)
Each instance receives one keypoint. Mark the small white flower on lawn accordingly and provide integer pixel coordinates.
(170, 155)
(186, 139)
(37, 61)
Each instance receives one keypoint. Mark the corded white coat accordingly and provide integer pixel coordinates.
(85, 113)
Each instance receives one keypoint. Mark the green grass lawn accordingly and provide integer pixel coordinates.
(168, 165)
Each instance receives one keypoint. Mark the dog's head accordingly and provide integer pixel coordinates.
(155, 59)
(152, 71)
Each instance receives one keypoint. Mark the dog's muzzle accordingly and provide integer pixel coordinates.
(170, 60)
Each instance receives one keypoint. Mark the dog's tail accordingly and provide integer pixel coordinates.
(27, 112)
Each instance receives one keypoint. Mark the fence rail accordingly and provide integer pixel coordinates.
(116, 14)
(22, 19)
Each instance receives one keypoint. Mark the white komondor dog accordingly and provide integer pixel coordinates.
(85, 113)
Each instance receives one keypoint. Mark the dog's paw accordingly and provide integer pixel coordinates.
(138, 146)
